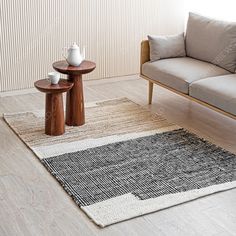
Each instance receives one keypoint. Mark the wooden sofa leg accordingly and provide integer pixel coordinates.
(150, 92)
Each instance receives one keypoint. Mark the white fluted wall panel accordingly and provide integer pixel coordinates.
(33, 32)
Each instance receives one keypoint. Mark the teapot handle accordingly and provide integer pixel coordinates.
(83, 53)
(63, 52)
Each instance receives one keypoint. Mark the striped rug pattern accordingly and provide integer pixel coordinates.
(125, 161)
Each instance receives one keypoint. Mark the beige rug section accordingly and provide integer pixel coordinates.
(106, 122)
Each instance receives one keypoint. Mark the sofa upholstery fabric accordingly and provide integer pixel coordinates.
(178, 73)
(212, 41)
(218, 91)
(166, 46)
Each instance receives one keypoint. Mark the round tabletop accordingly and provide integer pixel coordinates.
(64, 68)
(45, 86)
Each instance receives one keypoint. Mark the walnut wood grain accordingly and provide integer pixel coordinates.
(54, 112)
(75, 100)
(45, 86)
(64, 68)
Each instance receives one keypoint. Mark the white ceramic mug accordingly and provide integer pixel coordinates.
(53, 77)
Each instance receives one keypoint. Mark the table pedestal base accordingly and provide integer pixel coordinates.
(54, 114)
(75, 102)
(75, 99)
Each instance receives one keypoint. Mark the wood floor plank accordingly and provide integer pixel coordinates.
(33, 203)
(196, 217)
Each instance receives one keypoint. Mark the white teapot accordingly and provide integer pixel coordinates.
(74, 57)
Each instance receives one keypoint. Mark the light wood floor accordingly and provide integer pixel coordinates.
(33, 203)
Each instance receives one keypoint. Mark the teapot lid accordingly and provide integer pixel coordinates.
(74, 46)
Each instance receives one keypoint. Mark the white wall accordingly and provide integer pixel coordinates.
(220, 9)
(33, 33)
(171, 16)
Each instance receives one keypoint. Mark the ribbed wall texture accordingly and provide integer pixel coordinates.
(34, 32)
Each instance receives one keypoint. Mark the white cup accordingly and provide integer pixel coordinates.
(53, 77)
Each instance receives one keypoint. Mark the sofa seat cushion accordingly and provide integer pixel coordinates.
(218, 91)
(178, 73)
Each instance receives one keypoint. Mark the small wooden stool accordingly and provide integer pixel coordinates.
(54, 112)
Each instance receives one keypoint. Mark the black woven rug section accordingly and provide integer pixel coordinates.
(148, 167)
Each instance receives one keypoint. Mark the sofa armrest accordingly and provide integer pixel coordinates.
(145, 53)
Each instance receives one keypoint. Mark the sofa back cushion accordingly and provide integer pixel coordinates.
(212, 41)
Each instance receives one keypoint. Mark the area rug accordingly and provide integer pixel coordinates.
(125, 161)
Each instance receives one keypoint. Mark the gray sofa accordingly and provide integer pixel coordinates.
(204, 70)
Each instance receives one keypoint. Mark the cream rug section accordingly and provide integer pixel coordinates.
(106, 122)
(128, 206)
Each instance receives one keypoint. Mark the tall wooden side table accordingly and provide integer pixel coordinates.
(54, 112)
(75, 98)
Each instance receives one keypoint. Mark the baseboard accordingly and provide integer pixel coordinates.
(86, 82)
(18, 92)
